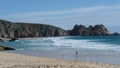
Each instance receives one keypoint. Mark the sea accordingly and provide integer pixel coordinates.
(104, 49)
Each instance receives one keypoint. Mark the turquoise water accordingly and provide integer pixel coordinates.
(90, 48)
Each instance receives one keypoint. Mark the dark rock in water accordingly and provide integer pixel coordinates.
(1, 40)
(6, 48)
(13, 39)
(24, 30)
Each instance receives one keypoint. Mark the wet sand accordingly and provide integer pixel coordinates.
(11, 60)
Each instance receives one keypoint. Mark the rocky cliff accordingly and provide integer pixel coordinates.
(23, 30)
(81, 30)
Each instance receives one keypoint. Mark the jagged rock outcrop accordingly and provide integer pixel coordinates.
(13, 39)
(81, 30)
(23, 30)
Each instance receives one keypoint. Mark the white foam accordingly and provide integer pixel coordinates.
(84, 44)
(60, 41)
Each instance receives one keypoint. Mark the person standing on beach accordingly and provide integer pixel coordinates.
(76, 56)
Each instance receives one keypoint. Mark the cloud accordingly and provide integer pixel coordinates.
(65, 12)
(108, 15)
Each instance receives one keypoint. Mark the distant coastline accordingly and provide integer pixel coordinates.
(25, 30)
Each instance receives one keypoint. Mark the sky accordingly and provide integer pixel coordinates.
(63, 13)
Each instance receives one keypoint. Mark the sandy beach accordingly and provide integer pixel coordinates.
(10, 60)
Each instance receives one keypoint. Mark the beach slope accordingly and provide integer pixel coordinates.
(10, 60)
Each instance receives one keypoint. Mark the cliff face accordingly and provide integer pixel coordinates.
(81, 30)
(37, 30)
(23, 30)
(6, 28)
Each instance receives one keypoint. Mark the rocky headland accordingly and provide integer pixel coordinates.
(24, 30)
(81, 30)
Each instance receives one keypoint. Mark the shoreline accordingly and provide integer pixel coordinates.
(99, 58)
(11, 60)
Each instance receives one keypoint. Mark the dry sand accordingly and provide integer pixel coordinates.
(10, 60)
